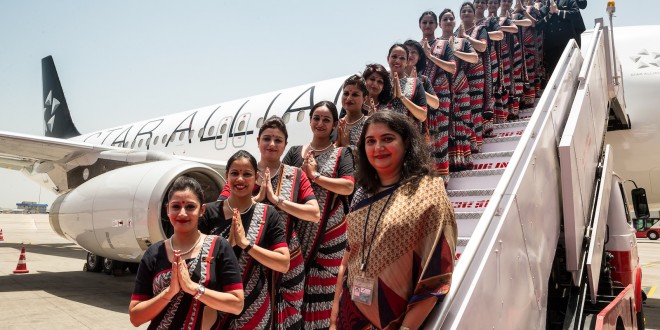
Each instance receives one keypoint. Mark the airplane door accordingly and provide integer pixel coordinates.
(222, 135)
(240, 130)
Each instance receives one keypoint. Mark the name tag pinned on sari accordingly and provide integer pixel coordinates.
(362, 290)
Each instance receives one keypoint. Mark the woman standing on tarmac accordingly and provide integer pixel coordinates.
(257, 233)
(331, 170)
(172, 286)
(402, 232)
(290, 191)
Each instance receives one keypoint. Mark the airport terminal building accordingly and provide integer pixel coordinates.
(32, 207)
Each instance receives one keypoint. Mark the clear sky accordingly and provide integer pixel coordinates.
(124, 61)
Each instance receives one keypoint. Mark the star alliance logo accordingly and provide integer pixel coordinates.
(51, 104)
(645, 59)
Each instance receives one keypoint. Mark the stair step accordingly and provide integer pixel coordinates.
(466, 226)
(467, 216)
(469, 203)
(462, 241)
(475, 179)
(510, 124)
(470, 192)
(489, 155)
(492, 146)
(513, 135)
(490, 163)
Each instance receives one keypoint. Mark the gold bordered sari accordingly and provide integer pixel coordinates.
(412, 253)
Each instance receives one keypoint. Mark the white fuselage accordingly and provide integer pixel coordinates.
(637, 149)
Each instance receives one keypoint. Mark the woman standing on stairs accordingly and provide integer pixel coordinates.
(402, 232)
(330, 169)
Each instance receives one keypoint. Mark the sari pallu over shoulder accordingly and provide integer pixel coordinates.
(257, 310)
(289, 288)
(412, 252)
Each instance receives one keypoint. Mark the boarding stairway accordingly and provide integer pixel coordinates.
(509, 207)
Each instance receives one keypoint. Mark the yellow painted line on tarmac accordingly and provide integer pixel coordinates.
(651, 264)
(651, 292)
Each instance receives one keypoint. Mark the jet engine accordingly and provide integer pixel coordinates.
(120, 213)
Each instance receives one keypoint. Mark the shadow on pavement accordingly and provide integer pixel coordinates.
(66, 250)
(95, 289)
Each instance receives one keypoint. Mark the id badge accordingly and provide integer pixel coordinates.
(362, 290)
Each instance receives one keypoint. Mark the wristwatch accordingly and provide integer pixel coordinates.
(200, 291)
(249, 247)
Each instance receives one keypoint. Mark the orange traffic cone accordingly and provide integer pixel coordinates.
(21, 267)
(2, 238)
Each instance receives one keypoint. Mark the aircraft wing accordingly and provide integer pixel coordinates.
(59, 159)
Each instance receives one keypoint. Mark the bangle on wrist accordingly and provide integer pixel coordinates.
(280, 200)
(200, 292)
(315, 176)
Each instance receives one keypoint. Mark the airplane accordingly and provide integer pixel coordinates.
(112, 183)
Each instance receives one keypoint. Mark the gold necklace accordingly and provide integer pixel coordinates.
(279, 168)
(232, 209)
(320, 150)
(192, 248)
(353, 123)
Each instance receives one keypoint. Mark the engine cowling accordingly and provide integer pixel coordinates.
(120, 213)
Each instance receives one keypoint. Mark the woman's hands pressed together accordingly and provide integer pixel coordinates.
(238, 231)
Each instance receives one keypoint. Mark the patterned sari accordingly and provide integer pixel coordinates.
(476, 78)
(411, 257)
(214, 267)
(438, 120)
(322, 243)
(518, 73)
(411, 88)
(492, 69)
(257, 308)
(461, 126)
(505, 75)
(290, 286)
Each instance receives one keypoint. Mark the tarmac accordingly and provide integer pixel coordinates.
(58, 294)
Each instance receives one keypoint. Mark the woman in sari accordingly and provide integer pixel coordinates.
(489, 58)
(379, 87)
(440, 67)
(402, 233)
(518, 74)
(409, 96)
(289, 189)
(530, 51)
(181, 275)
(352, 101)
(502, 47)
(331, 170)
(460, 153)
(257, 233)
(477, 35)
(415, 68)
